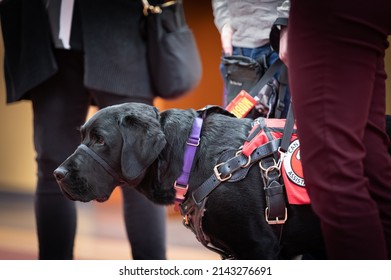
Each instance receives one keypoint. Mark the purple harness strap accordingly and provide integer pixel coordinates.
(182, 183)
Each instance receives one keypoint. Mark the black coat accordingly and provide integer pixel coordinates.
(115, 52)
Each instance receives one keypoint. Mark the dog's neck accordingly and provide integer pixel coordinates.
(219, 133)
(177, 126)
(158, 185)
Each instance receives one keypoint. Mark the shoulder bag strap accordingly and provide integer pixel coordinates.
(266, 77)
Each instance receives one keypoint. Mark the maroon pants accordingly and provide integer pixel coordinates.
(337, 78)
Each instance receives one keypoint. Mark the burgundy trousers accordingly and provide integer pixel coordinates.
(337, 78)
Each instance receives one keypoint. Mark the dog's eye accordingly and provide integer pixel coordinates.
(100, 140)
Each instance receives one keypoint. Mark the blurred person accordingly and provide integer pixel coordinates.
(255, 29)
(337, 79)
(64, 56)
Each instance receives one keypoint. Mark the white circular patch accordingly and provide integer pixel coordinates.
(292, 164)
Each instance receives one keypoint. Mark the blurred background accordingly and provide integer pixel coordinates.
(101, 231)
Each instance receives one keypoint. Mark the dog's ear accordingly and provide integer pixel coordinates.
(143, 140)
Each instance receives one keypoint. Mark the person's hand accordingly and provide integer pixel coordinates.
(226, 39)
(284, 45)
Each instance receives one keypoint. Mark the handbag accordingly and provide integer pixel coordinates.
(262, 97)
(173, 57)
(241, 73)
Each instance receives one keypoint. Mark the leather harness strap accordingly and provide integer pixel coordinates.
(234, 166)
(223, 171)
(276, 211)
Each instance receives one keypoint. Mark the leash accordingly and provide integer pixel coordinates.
(283, 80)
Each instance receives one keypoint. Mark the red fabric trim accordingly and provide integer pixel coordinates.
(249, 147)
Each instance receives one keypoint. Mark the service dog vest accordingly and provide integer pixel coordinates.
(265, 130)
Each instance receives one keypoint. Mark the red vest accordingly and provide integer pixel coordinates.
(291, 169)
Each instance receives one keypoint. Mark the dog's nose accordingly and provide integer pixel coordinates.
(60, 173)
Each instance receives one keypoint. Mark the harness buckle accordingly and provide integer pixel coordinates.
(193, 142)
(238, 153)
(186, 221)
(217, 173)
(276, 221)
(282, 157)
(181, 191)
(276, 166)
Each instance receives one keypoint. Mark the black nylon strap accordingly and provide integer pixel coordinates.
(101, 161)
(283, 80)
(266, 77)
(254, 133)
(288, 130)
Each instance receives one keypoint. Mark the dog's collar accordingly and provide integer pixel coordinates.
(181, 184)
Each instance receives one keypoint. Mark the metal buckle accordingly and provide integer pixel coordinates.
(186, 221)
(282, 157)
(248, 159)
(275, 166)
(148, 8)
(194, 144)
(276, 221)
(180, 189)
(217, 173)
(263, 168)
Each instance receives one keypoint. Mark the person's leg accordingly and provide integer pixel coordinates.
(333, 58)
(145, 225)
(59, 108)
(377, 162)
(145, 221)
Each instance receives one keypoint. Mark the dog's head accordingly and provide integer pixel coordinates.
(118, 145)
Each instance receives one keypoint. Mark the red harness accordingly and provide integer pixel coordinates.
(291, 169)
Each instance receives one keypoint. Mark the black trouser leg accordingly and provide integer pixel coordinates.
(60, 106)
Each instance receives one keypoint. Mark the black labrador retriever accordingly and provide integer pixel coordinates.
(136, 145)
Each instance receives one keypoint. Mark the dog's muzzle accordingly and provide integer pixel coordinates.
(102, 163)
